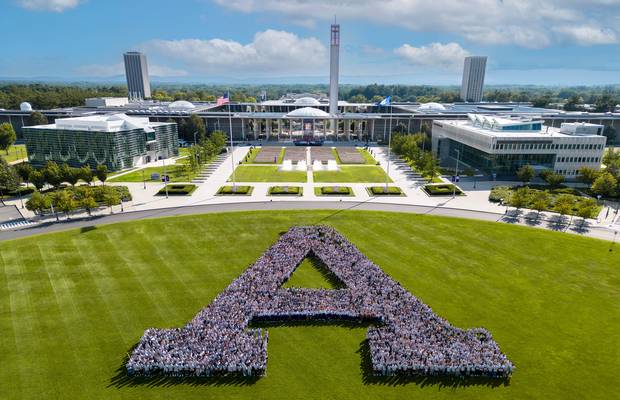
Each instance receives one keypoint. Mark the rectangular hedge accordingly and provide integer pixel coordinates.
(335, 191)
(441, 190)
(286, 190)
(381, 191)
(239, 190)
(178, 190)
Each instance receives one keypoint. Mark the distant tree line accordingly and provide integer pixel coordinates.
(46, 96)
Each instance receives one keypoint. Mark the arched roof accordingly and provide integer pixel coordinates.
(308, 112)
(432, 106)
(308, 101)
(181, 105)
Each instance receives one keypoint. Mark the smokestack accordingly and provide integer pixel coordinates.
(334, 56)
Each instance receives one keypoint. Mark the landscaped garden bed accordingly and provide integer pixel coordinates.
(286, 191)
(333, 191)
(178, 190)
(447, 189)
(545, 198)
(383, 191)
(235, 190)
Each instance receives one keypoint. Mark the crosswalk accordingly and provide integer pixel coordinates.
(16, 224)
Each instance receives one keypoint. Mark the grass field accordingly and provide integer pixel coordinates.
(72, 305)
(263, 173)
(176, 172)
(352, 174)
(16, 152)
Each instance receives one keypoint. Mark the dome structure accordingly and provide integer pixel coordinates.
(307, 112)
(432, 106)
(25, 106)
(181, 105)
(307, 101)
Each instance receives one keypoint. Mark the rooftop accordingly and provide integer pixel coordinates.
(102, 123)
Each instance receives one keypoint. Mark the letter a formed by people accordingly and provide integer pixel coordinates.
(405, 337)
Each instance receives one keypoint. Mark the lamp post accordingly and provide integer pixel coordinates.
(456, 173)
(143, 179)
(387, 176)
(165, 178)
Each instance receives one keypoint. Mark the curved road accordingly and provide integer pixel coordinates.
(597, 232)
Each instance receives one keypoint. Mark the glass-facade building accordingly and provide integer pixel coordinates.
(118, 147)
(501, 146)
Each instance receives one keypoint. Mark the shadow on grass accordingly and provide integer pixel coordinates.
(87, 229)
(368, 378)
(121, 379)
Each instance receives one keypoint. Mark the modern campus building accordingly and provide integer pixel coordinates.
(472, 86)
(137, 73)
(115, 140)
(501, 146)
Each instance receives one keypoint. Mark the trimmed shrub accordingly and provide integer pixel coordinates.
(237, 190)
(286, 190)
(336, 190)
(178, 190)
(381, 191)
(442, 190)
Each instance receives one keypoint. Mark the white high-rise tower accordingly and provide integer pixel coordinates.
(473, 78)
(137, 73)
(333, 73)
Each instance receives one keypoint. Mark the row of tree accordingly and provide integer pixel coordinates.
(70, 199)
(47, 96)
(563, 204)
(415, 150)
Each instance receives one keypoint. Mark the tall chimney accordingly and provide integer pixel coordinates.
(334, 70)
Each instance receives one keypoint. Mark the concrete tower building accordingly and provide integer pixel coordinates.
(334, 61)
(473, 78)
(137, 73)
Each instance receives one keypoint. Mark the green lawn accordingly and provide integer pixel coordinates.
(312, 273)
(72, 304)
(263, 173)
(16, 152)
(176, 172)
(352, 174)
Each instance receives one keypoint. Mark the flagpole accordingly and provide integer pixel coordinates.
(232, 145)
(387, 177)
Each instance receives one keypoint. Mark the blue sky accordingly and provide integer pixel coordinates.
(542, 42)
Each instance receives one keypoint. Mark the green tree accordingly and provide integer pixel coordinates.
(37, 179)
(36, 203)
(86, 174)
(36, 118)
(7, 136)
(52, 174)
(9, 179)
(520, 198)
(63, 201)
(573, 103)
(540, 201)
(24, 170)
(564, 204)
(196, 125)
(525, 174)
(605, 185)
(102, 173)
(586, 208)
(587, 175)
(111, 198)
(430, 168)
(69, 174)
(554, 179)
(218, 138)
(88, 203)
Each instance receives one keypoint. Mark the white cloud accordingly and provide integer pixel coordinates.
(526, 23)
(588, 35)
(447, 56)
(110, 70)
(49, 5)
(270, 51)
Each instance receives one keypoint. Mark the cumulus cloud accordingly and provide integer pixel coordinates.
(526, 23)
(49, 5)
(110, 70)
(447, 56)
(269, 51)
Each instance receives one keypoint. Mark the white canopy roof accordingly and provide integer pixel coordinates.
(307, 112)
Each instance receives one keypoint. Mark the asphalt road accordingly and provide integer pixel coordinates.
(336, 206)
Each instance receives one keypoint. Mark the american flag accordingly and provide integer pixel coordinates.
(223, 99)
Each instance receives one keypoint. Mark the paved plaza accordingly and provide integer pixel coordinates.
(145, 196)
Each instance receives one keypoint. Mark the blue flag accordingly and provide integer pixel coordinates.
(386, 102)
